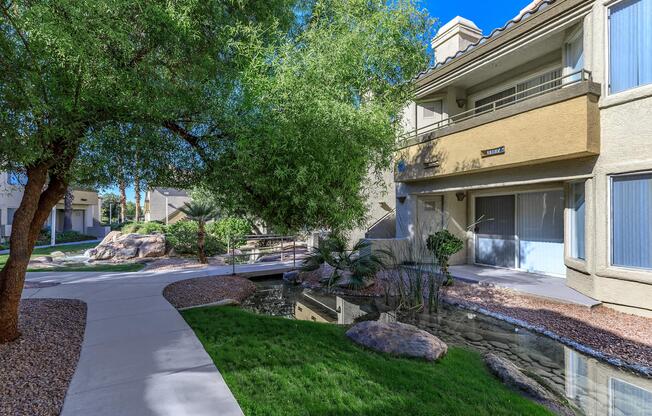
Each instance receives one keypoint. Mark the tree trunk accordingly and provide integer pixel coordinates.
(67, 210)
(35, 207)
(137, 196)
(201, 242)
(123, 200)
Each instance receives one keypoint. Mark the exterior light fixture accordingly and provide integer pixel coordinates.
(401, 199)
(460, 196)
(461, 102)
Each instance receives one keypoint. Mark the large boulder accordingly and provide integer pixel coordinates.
(398, 339)
(110, 237)
(514, 377)
(129, 246)
(152, 246)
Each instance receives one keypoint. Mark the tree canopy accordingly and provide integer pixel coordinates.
(279, 107)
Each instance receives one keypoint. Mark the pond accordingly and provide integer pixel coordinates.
(595, 387)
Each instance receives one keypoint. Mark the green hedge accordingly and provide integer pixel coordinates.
(63, 237)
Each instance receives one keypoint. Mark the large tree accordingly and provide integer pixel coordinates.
(68, 67)
(280, 106)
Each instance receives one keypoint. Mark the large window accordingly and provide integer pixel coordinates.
(631, 218)
(630, 43)
(431, 111)
(577, 220)
(628, 399)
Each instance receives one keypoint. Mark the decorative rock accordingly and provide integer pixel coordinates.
(57, 254)
(511, 375)
(110, 238)
(129, 246)
(346, 282)
(126, 253)
(153, 246)
(397, 339)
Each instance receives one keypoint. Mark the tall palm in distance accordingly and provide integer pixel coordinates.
(201, 212)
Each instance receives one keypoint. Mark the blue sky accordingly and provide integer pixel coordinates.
(488, 15)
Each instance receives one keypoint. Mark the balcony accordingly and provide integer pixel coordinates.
(555, 120)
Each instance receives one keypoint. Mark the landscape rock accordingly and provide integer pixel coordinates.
(129, 246)
(110, 237)
(126, 253)
(55, 254)
(398, 339)
(347, 282)
(153, 246)
(512, 376)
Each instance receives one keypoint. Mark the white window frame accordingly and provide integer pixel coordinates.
(578, 32)
(610, 221)
(607, 62)
(571, 203)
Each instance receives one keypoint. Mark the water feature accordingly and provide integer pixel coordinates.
(595, 387)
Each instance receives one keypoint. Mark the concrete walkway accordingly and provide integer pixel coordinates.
(139, 357)
(533, 284)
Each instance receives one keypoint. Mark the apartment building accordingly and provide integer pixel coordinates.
(534, 144)
(162, 204)
(86, 208)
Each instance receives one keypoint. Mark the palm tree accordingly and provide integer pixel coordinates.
(202, 212)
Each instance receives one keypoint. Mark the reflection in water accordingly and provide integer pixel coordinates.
(596, 388)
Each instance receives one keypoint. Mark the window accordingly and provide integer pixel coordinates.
(577, 220)
(631, 220)
(10, 215)
(431, 111)
(16, 179)
(628, 399)
(630, 43)
(500, 98)
(538, 84)
(574, 57)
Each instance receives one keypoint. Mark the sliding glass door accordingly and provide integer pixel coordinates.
(495, 231)
(521, 231)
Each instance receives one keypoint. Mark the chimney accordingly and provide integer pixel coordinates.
(453, 37)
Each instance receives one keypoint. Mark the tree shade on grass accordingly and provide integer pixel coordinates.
(277, 366)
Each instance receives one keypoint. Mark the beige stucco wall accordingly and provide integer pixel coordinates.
(559, 131)
(616, 129)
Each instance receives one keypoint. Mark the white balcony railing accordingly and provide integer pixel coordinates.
(412, 137)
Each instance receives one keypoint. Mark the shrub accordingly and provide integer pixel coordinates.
(182, 236)
(442, 245)
(152, 227)
(228, 229)
(149, 227)
(63, 237)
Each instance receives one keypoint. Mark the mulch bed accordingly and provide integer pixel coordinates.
(616, 334)
(36, 369)
(204, 290)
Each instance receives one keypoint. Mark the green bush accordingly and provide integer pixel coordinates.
(182, 236)
(442, 245)
(150, 227)
(63, 237)
(229, 228)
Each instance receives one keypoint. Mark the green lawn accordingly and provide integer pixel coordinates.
(277, 366)
(72, 249)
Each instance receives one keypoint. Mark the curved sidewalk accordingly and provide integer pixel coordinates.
(139, 357)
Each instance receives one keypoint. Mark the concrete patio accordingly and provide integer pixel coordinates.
(529, 283)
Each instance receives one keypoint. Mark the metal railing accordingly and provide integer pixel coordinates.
(411, 137)
(240, 251)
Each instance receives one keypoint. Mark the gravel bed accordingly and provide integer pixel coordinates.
(610, 332)
(36, 369)
(204, 290)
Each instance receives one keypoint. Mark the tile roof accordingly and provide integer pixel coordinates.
(528, 11)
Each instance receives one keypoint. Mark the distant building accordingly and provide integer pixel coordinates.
(165, 202)
(86, 208)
